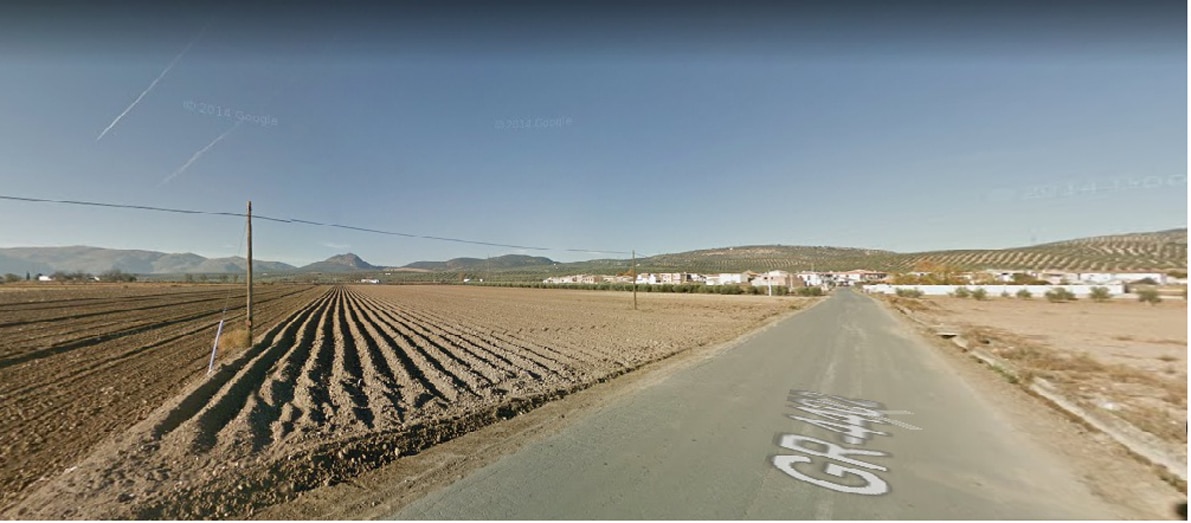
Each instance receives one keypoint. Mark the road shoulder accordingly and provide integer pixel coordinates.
(1104, 466)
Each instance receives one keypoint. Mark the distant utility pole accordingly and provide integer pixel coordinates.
(248, 320)
(634, 279)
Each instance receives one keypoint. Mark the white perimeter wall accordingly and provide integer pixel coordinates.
(993, 290)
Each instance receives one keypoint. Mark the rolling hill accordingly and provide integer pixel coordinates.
(1158, 251)
(1162, 250)
(95, 260)
(508, 261)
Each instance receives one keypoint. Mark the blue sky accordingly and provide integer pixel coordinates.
(987, 131)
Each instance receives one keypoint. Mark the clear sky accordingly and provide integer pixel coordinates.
(904, 126)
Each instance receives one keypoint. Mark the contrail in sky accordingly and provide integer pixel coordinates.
(198, 154)
(153, 84)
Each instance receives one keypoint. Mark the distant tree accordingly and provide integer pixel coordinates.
(1005, 294)
(10, 277)
(1146, 281)
(1100, 294)
(1024, 294)
(223, 277)
(72, 276)
(27, 278)
(980, 294)
(117, 275)
(962, 292)
(189, 278)
(1177, 274)
(984, 278)
(1021, 278)
(1149, 296)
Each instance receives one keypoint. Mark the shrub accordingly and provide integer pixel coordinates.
(1059, 295)
(1100, 294)
(117, 275)
(909, 293)
(1005, 294)
(1146, 281)
(809, 291)
(234, 339)
(980, 294)
(1024, 294)
(961, 292)
(10, 277)
(1149, 296)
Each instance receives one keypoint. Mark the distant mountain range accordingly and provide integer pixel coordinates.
(46, 260)
(340, 263)
(508, 261)
(1161, 250)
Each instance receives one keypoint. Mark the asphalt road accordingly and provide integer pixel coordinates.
(902, 438)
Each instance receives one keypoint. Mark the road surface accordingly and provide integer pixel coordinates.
(838, 412)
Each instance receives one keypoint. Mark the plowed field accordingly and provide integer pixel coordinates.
(363, 375)
(79, 363)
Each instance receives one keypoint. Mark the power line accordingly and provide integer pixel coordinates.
(299, 221)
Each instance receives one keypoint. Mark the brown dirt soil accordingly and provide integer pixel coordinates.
(83, 362)
(367, 374)
(1120, 357)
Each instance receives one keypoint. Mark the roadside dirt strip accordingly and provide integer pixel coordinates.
(1085, 361)
(364, 375)
(80, 364)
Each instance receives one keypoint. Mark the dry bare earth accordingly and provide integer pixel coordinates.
(1122, 357)
(367, 374)
(79, 363)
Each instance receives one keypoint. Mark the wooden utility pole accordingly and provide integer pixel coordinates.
(634, 279)
(248, 320)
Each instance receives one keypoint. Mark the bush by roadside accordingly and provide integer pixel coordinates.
(1149, 296)
(1059, 295)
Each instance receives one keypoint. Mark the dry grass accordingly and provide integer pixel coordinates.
(914, 304)
(1153, 420)
(1081, 375)
(234, 339)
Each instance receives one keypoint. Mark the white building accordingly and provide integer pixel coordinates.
(775, 278)
(732, 278)
(647, 278)
(1121, 277)
(811, 279)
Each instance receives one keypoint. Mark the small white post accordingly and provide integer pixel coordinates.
(211, 364)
